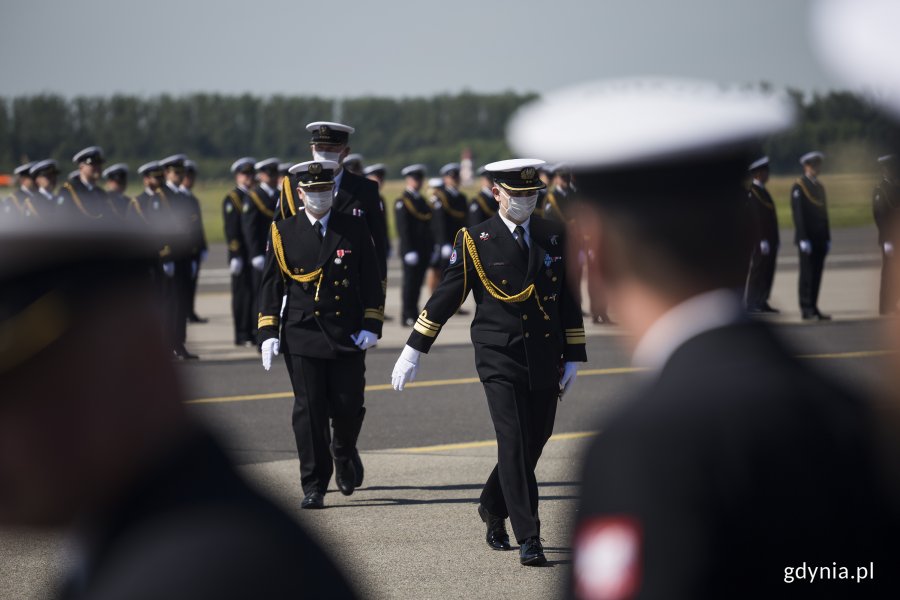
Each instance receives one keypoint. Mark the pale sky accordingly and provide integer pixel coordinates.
(352, 48)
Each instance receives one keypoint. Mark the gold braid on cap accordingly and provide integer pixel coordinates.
(489, 285)
(77, 201)
(278, 248)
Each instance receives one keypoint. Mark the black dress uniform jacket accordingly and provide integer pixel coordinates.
(190, 528)
(332, 285)
(810, 209)
(763, 215)
(76, 199)
(556, 203)
(413, 216)
(119, 205)
(763, 224)
(736, 462)
(885, 209)
(232, 208)
(449, 214)
(524, 341)
(256, 218)
(482, 208)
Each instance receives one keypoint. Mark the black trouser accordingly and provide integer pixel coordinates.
(413, 277)
(811, 267)
(192, 290)
(760, 278)
(887, 298)
(255, 283)
(523, 420)
(241, 308)
(181, 284)
(326, 388)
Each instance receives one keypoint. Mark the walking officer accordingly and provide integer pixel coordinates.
(528, 336)
(812, 234)
(413, 216)
(766, 240)
(81, 195)
(238, 259)
(324, 263)
(483, 205)
(886, 208)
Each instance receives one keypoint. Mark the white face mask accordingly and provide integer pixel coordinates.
(318, 202)
(332, 156)
(521, 207)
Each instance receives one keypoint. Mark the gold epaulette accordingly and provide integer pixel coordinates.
(426, 326)
(278, 249)
(414, 211)
(77, 201)
(260, 205)
(575, 336)
(265, 321)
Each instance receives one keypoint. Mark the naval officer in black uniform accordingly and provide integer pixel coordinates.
(13, 206)
(528, 335)
(733, 452)
(449, 206)
(44, 202)
(256, 220)
(324, 263)
(412, 216)
(812, 234)
(483, 205)
(117, 200)
(199, 247)
(765, 239)
(886, 209)
(238, 257)
(82, 195)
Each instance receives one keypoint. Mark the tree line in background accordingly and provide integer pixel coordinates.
(215, 129)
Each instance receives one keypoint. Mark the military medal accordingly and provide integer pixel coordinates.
(484, 236)
(554, 240)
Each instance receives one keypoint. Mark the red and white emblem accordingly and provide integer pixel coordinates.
(342, 252)
(607, 559)
(484, 236)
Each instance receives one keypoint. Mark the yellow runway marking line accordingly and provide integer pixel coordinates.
(383, 387)
(560, 437)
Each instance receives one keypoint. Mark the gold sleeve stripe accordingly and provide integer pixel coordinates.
(576, 340)
(267, 322)
(425, 330)
(423, 317)
(372, 313)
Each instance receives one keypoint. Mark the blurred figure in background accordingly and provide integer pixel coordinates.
(104, 449)
(448, 217)
(412, 215)
(812, 234)
(81, 194)
(260, 204)
(238, 257)
(886, 208)
(733, 452)
(483, 205)
(199, 247)
(556, 203)
(766, 240)
(354, 164)
(44, 203)
(377, 173)
(116, 177)
(13, 206)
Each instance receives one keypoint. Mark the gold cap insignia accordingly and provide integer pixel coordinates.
(315, 169)
(527, 173)
(323, 130)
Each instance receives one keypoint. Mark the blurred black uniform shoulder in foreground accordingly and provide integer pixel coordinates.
(192, 528)
(885, 209)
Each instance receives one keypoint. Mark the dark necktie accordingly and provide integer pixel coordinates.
(520, 240)
(318, 227)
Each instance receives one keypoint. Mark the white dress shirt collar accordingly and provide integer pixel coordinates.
(512, 226)
(702, 313)
(26, 191)
(323, 220)
(267, 188)
(173, 187)
(759, 184)
(243, 188)
(45, 193)
(148, 191)
(86, 183)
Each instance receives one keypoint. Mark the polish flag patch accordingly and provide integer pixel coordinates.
(607, 559)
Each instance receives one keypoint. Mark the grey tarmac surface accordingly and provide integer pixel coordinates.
(411, 531)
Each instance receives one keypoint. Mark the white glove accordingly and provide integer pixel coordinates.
(570, 371)
(364, 339)
(889, 248)
(169, 269)
(270, 348)
(764, 247)
(194, 265)
(258, 262)
(411, 258)
(236, 265)
(405, 368)
(446, 250)
(805, 247)
(203, 255)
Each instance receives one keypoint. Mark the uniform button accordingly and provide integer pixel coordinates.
(337, 297)
(504, 282)
(524, 317)
(316, 313)
(345, 266)
(527, 334)
(301, 270)
(337, 283)
(545, 298)
(546, 335)
(546, 317)
(337, 314)
(554, 279)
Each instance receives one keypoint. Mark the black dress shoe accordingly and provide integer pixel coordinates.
(496, 537)
(531, 552)
(809, 315)
(345, 475)
(196, 319)
(360, 471)
(766, 308)
(462, 312)
(313, 500)
(821, 316)
(181, 353)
